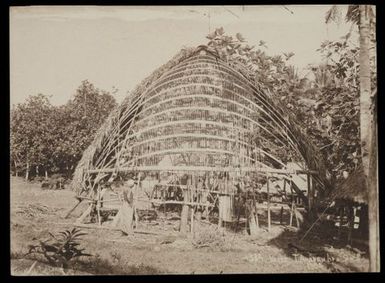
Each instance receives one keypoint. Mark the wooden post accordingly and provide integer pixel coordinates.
(341, 213)
(251, 217)
(291, 213)
(296, 215)
(192, 220)
(136, 192)
(15, 166)
(184, 213)
(281, 216)
(268, 205)
(256, 218)
(27, 172)
(72, 209)
(220, 211)
(184, 219)
(98, 207)
(256, 210)
(85, 214)
(351, 223)
(220, 204)
(198, 216)
(292, 203)
(310, 196)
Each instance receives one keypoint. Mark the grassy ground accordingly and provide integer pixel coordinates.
(36, 212)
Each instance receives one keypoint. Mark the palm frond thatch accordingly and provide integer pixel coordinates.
(354, 188)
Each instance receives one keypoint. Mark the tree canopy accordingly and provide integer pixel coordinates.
(53, 138)
(326, 103)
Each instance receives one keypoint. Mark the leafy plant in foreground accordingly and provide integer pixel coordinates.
(59, 250)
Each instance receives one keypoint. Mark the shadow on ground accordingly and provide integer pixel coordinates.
(320, 243)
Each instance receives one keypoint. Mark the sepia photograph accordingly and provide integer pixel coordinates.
(207, 139)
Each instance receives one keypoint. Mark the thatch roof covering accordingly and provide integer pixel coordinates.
(354, 188)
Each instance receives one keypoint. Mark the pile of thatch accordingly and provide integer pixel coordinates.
(354, 188)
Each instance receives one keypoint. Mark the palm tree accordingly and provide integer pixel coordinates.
(363, 15)
(368, 136)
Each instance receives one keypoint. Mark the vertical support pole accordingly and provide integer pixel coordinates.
(291, 213)
(268, 204)
(292, 205)
(310, 195)
(220, 202)
(98, 206)
(184, 213)
(136, 192)
(192, 220)
(341, 214)
(351, 223)
(256, 210)
(198, 216)
(253, 226)
(296, 216)
(281, 216)
(27, 172)
(256, 218)
(220, 211)
(246, 214)
(207, 187)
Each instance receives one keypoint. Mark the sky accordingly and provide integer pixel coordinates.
(54, 48)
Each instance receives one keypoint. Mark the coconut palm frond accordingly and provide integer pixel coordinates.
(353, 14)
(333, 15)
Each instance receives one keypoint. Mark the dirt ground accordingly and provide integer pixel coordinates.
(36, 212)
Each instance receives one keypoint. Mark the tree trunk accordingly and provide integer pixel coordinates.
(27, 172)
(268, 206)
(15, 164)
(251, 217)
(368, 132)
(365, 87)
(46, 175)
(374, 234)
(184, 215)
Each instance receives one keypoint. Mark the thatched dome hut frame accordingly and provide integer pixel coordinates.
(198, 99)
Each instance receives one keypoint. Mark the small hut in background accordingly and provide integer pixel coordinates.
(351, 201)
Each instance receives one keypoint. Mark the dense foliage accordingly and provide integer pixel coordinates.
(325, 103)
(52, 138)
